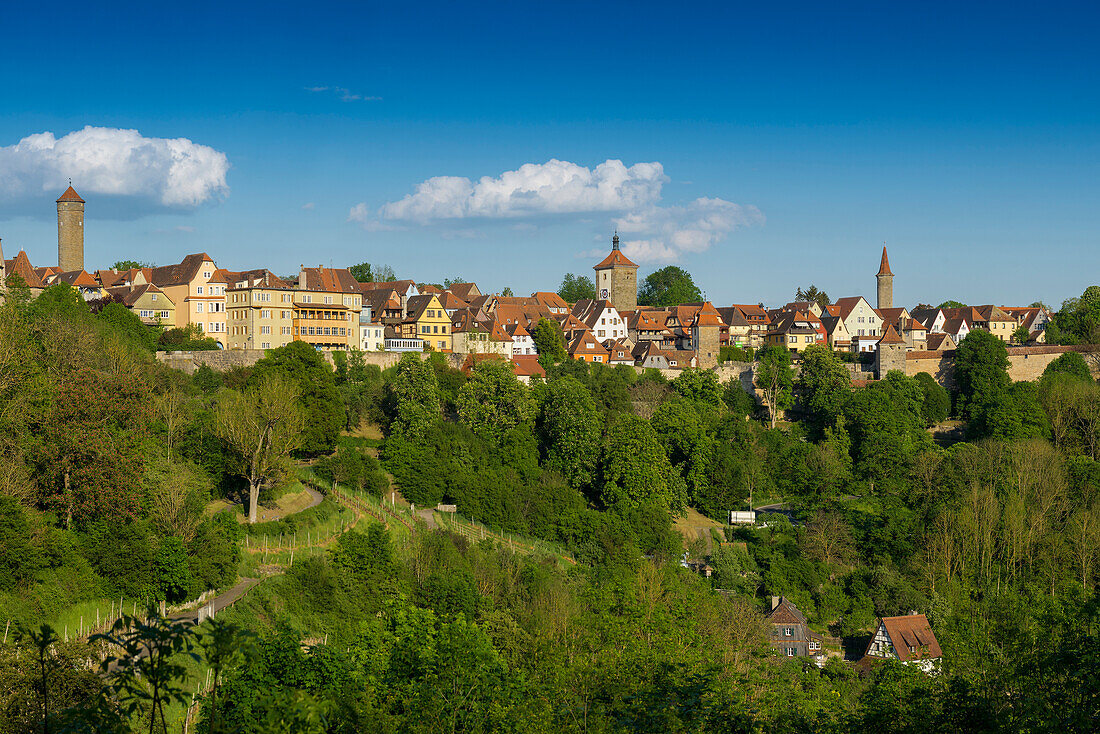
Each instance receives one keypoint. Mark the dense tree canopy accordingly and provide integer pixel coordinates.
(574, 288)
(669, 286)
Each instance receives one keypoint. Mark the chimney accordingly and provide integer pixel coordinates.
(302, 278)
(775, 601)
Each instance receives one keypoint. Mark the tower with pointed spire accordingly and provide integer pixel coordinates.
(617, 279)
(885, 283)
(70, 231)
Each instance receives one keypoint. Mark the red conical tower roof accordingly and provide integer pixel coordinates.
(884, 267)
(70, 195)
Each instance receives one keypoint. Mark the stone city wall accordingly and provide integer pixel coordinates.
(1024, 363)
(226, 359)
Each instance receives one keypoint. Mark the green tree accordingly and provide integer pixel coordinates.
(571, 424)
(448, 283)
(507, 292)
(172, 572)
(1021, 335)
(384, 274)
(362, 273)
(493, 401)
(413, 398)
(1070, 363)
(549, 342)
(315, 380)
(952, 304)
(575, 288)
(131, 264)
(824, 385)
(937, 402)
(636, 471)
(773, 377)
(981, 369)
(262, 426)
(813, 295)
(699, 386)
(125, 321)
(669, 286)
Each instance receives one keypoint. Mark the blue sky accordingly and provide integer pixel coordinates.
(763, 146)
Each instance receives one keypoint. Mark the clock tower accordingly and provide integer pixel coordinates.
(617, 279)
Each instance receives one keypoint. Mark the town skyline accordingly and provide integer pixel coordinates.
(356, 137)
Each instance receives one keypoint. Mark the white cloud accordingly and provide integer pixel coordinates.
(171, 172)
(662, 234)
(554, 187)
(184, 228)
(308, 206)
(631, 195)
(345, 95)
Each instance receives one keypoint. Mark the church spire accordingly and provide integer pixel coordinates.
(615, 241)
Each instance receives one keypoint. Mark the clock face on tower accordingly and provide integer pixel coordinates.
(603, 294)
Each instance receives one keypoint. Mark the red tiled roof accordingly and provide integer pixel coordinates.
(891, 336)
(708, 315)
(180, 274)
(527, 365)
(331, 280)
(21, 266)
(912, 631)
(70, 195)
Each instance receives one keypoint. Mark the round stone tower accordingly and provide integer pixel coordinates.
(70, 231)
(885, 283)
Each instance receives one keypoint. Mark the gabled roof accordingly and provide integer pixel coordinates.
(912, 631)
(732, 316)
(893, 315)
(588, 310)
(884, 266)
(180, 274)
(466, 320)
(647, 320)
(937, 342)
(550, 300)
(785, 613)
(70, 195)
(465, 291)
(615, 346)
(516, 330)
(586, 343)
(256, 278)
(833, 324)
(132, 293)
(331, 280)
(401, 286)
(527, 365)
(416, 306)
(792, 323)
(451, 302)
(953, 326)
(78, 279)
(848, 304)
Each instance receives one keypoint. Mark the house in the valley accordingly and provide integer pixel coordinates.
(908, 639)
(791, 635)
